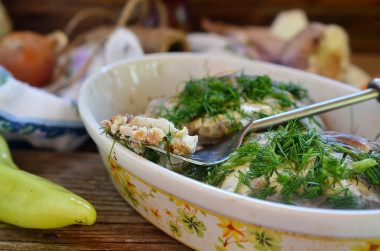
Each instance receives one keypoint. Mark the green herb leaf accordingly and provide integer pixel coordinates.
(342, 200)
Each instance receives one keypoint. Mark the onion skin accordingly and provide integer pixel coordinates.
(28, 56)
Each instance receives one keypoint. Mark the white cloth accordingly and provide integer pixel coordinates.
(49, 120)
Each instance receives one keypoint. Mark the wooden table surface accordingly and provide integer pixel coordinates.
(118, 226)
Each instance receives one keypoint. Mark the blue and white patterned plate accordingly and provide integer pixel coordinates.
(40, 118)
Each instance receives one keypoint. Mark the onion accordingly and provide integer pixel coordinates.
(29, 56)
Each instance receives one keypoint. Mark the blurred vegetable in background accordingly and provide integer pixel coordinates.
(5, 22)
(31, 56)
(293, 41)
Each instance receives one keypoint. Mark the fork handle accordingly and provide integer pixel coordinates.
(372, 92)
(375, 84)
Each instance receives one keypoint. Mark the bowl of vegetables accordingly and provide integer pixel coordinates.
(310, 184)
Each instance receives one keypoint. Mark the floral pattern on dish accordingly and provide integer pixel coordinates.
(203, 230)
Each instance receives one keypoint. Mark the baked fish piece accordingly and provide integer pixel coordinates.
(135, 132)
(215, 107)
(304, 167)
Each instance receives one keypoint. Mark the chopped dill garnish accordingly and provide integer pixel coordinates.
(196, 172)
(211, 96)
(168, 140)
(217, 174)
(257, 88)
(341, 200)
(262, 192)
(366, 165)
(238, 185)
(299, 164)
(116, 138)
(297, 91)
(151, 155)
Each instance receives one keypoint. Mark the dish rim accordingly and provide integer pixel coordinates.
(362, 217)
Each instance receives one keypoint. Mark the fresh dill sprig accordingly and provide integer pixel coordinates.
(151, 155)
(216, 175)
(298, 163)
(196, 172)
(257, 88)
(212, 96)
(341, 200)
(168, 139)
(262, 192)
(366, 165)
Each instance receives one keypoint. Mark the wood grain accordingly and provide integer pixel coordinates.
(118, 226)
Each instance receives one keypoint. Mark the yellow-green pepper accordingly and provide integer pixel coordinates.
(30, 201)
(5, 154)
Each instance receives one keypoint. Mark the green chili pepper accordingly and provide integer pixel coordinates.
(30, 201)
(5, 154)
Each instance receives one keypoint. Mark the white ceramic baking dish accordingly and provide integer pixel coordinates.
(205, 217)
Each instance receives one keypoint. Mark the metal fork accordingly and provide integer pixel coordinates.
(216, 154)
